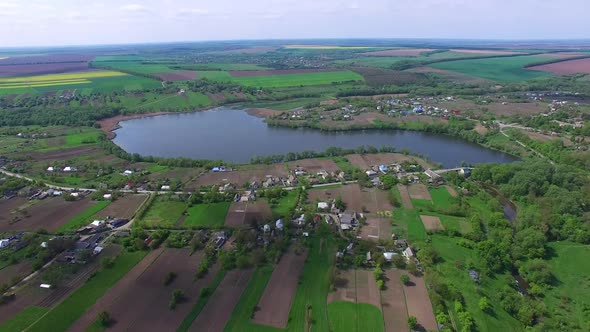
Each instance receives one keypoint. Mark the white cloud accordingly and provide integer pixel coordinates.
(134, 8)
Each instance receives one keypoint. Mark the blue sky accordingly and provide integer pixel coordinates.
(83, 22)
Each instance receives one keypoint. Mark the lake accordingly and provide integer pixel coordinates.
(235, 136)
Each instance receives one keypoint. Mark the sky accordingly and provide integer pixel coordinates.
(87, 22)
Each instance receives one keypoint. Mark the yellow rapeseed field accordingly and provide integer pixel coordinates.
(65, 77)
(40, 84)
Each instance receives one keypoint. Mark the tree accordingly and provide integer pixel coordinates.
(339, 203)
(405, 279)
(484, 305)
(378, 273)
(412, 322)
(103, 319)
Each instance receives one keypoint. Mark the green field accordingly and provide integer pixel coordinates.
(353, 317)
(68, 311)
(278, 81)
(285, 205)
(174, 102)
(312, 291)
(83, 218)
(406, 222)
(163, 212)
(23, 319)
(207, 215)
(504, 69)
(569, 265)
(133, 67)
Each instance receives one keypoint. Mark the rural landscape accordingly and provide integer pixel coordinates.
(336, 185)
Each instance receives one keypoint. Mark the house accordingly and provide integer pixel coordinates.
(97, 250)
(107, 196)
(97, 223)
(376, 182)
(219, 169)
(388, 255)
(4, 243)
(70, 169)
(401, 243)
(266, 228)
(465, 172)
(371, 173)
(348, 220)
(279, 224)
(408, 253)
(433, 176)
(323, 174)
(383, 169)
(50, 169)
(127, 172)
(369, 258)
(165, 187)
(76, 195)
(349, 247)
(323, 206)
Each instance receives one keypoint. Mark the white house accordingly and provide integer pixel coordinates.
(75, 194)
(69, 169)
(279, 224)
(408, 253)
(107, 196)
(165, 188)
(4, 243)
(97, 250)
(323, 206)
(127, 172)
(50, 169)
(389, 256)
(97, 223)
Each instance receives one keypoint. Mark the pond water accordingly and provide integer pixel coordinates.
(235, 136)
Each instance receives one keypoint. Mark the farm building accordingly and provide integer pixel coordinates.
(408, 253)
(323, 206)
(433, 176)
(383, 169)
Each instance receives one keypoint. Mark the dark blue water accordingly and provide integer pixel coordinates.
(235, 136)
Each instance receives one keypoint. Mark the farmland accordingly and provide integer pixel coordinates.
(566, 67)
(505, 69)
(163, 212)
(287, 80)
(207, 215)
(68, 311)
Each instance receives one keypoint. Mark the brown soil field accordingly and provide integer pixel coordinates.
(432, 223)
(405, 196)
(242, 214)
(419, 191)
(356, 286)
(18, 271)
(216, 97)
(63, 154)
(345, 284)
(350, 193)
(562, 55)
(274, 310)
(365, 161)
(377, 228)
(6, 207)
(314, 165)
(239, 177)
(495, 107)
(48, 214)
(393, 303)
(244, 73)
(419, 304)
(139, 301)
(480, 129)
(178, 75)
(263, 112)
(399, 52)
(566, 67)
(450, 75)
(485, 52)
(124, 207)
(544, 138)
(451, 191)
(221, 304)
(44, 68)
